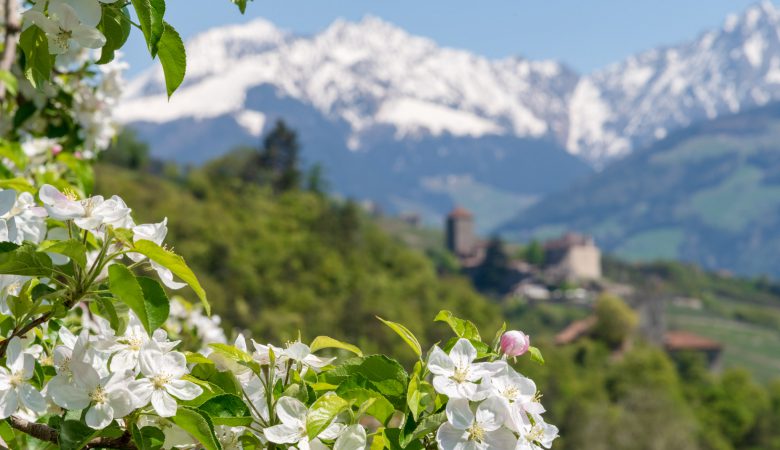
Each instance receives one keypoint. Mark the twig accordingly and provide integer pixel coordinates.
(46, 433)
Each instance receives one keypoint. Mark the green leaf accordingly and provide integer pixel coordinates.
(375, 372)
(143, 295)
(462, 328)
(536, 355)
(12, 150)
(322, 413)
(8, 80)
(427, 425)
(199, 425)
(105, 308)
(175, 264)
(115, 26)
(419, 396)
(393, 440)
(72, 248)
(227, 409)
(321, 342)
(18, 184)
(380, 408)
(37, 60)
(148, 438)
(74, 435)
(25, 260)
(173, 58)
(241, 5)
(150, 17)
(405, 334)
(497, 340)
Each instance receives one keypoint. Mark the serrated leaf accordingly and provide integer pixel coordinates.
(74, 435)
(375, 372)
(322, 413)
(72, 248)
(115, 26)
(198, 425)
(148, 438)
(175, 264)
(426, 426)
(173, 58)
(143, 295)
(150, 16)
(38, 62)
(227, 409)
(405, 334)
(462, 328)
(25, 260)
(321, 342)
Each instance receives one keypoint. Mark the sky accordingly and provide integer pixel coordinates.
(584, 34)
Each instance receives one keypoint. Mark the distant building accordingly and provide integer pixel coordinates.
(573, 257)
(683, 341)
(412, 218)
(461, 239)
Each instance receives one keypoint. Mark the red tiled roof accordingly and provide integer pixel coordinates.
(460, 213)
(575, 330)
(684, 340)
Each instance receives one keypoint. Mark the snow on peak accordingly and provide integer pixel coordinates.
(371, 75)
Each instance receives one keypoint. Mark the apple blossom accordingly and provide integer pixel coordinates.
(515, 343)
(64, 29)
(15, 390)
(456, 375)
(480, 430)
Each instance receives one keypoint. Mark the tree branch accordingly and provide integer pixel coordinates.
(46, 433)
(12, 30)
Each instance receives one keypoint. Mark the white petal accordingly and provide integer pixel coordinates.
(353, 438)
(7, 200)
(150, 361)
(283, 433)
(491, 413)
(500, 440)
(47, 25)
(14, 358)
(439, 363)
(163, 403)
(451, 438)
(124, 360)
(142, 390)
(9, 403)
(122, 401)
(87, 11)
(66, 395)
(463, 353)
(166, 276)
(459, 413)
(451, 389)
(89, 38)
(84, 375)
(183, 390)
(291, 411)
(99, 416)
(332, 431)
(32, 399)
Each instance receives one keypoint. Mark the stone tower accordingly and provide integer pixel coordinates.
(461, 239)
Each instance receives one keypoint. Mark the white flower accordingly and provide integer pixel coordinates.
(292, 413)
(20, 219)
(162, 380)
(352, 437)
(64, 29)
(10, 285)
(537, 436)
(481, 431)
(301, 353)
(88, 11)
(518, 392)
(106, 398)
(456, 374)
(87, 214)
(127, 348)
(14, 388)
(229, 437)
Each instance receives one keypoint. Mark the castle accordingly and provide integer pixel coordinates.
(572, 257)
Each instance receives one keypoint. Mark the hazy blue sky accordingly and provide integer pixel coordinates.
(586, 34)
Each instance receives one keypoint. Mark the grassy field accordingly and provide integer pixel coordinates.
(747, 345)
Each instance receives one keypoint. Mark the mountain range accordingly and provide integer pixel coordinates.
(417, 127)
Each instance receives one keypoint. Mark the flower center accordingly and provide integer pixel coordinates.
(461, 374)
(159, 381)
(511, 393)
(98, 395)
(135, 343)
(476, 433)
(63, 38)
(16, 379)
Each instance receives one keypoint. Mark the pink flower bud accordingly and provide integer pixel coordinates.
(56, 149)
(515, 343)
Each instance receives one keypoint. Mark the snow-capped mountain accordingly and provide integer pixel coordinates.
(396, 117)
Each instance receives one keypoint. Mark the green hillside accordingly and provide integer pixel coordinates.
(709, 195)
(276, 264)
